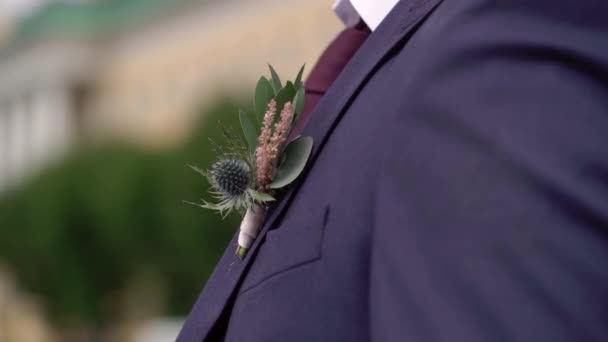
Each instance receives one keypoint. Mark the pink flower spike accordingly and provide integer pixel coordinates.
(282, 127)
(263, 158)
(271, 142)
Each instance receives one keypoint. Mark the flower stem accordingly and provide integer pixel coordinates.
(241, 252)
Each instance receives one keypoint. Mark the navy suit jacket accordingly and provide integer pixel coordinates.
(457, 190)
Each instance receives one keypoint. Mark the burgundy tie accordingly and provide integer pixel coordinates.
(328, 67)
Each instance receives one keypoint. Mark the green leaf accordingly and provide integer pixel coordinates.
(260, 196)
(263, 95)
(298, 82)
(298, 103)
(275, 81)
(286, 94)
(250, 131)
(296, 155)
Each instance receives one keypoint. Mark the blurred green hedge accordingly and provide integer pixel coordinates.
(77, 234)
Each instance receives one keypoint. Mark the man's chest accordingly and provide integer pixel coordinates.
(311, 271)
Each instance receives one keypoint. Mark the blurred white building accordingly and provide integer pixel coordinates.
(139, 69)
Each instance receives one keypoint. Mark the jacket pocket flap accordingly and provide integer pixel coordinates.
(295, 242)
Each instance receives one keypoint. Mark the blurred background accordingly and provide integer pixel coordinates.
(102, 105)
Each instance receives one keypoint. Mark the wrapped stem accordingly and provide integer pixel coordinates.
(250, 227)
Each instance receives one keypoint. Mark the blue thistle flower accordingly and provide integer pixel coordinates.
(232, 185)
(230, 177)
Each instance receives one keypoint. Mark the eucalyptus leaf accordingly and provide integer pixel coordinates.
(286, 94)
(263, 95)
(275, 80)
(250, 131)
(298, 82)
(298, 103)
(296, 154)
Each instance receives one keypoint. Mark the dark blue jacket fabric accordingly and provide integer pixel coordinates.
(457, 191)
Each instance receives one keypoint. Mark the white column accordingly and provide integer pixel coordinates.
(17, 141)
(60, 110)
(42, 124)
(33, 132)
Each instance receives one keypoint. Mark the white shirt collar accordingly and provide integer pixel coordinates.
(371, 11)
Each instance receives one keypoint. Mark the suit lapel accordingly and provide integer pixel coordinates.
(394, 30)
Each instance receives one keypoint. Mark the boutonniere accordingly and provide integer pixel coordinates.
(256, 165)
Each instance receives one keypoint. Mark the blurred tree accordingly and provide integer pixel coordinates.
(82, 231)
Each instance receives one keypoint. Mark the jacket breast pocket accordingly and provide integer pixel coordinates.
(296, 242)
